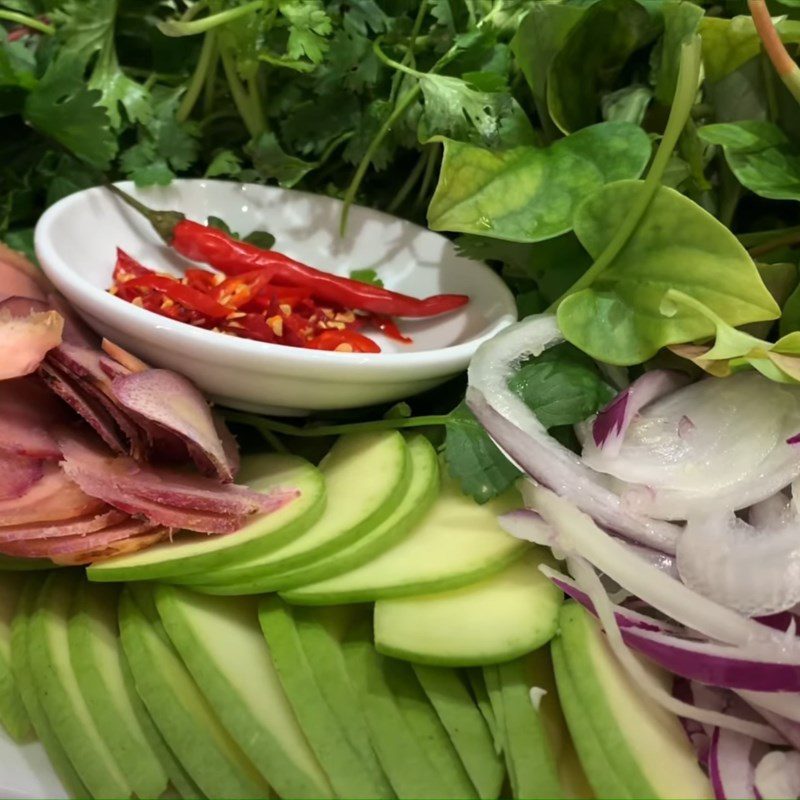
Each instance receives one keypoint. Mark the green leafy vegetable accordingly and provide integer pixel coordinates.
(595, 51)
(366, 276)
(676, 245)
(528, 194)
(260, 239)
(681, 21)
(760, 155)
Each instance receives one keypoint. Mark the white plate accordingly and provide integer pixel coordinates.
(25, 772)
(76, 240)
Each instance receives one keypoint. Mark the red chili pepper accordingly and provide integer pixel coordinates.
(233, 257)
(239, 290)
(344, 341)
(188, 297)
(128, 267)
(389, 327)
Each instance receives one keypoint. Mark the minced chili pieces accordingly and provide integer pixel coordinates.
(250, 305)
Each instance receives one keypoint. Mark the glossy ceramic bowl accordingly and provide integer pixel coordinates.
(76, 241)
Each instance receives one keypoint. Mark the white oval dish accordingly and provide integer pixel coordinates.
(76, 241)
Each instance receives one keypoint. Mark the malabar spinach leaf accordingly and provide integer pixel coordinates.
(676, 245)
(760, 155)
(528, 194)
(594, 53)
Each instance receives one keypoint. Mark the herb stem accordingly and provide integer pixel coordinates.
(193, 27)
(430, 170)
(193, 10)
(409, 183)
(685, 93)
(409, 55)
(262, 424)
(26, 21)
(787, 238)
(784, 64)
(402, 106)
(199, 77)
(240, 98)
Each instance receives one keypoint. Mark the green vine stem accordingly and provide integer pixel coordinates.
(271, 427)
(26, 21)
(784, 64)
(685, 93)
(176, 27)
(199, 77)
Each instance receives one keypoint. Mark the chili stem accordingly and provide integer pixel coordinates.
(784, 64)
(26, 21)
(198, 77)
(176, 27)
(685, 92)
(273, 427)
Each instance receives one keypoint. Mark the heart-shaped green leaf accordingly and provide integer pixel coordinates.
(677, 245)
(528, 194)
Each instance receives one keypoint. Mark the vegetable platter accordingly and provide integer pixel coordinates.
(571, 572)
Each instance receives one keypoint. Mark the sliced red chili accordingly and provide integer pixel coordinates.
(178, 292)
(344, 342)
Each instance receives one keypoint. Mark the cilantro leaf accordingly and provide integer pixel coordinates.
(262, 239)
(271, 161)
(225, 162)
(62, 108)
(562, 387)
(368, 276)
(309, 26)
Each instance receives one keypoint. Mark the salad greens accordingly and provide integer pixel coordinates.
(521, 127)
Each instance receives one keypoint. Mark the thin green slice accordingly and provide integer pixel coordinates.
(264, 534)
(179, 710)
(457, 543)
(13, 716)
(60, 693)
(366, 476)
(97, 659)
(21, 669)
(220, 641)
(468, 731)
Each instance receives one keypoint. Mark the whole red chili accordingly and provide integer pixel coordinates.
(233, 257)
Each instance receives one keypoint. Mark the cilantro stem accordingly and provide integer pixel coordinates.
(254, 125)
(408, 184)
(193, 10)
(786, 238)
(175, 27)
(199, 77)
(272, 427)
(685, 93)
(396, 65)
(784, 64)
(409, 55)
(430, 169)
(402, 106)
(28, 22)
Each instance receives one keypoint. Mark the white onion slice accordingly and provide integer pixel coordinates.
(730, 765)
(612, 422)
(518, 432)
(574, 533)
(753, 570)
(732, 455)
(777, 776)
(646, 680)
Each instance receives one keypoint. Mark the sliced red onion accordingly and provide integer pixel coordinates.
(611, 423)
(26, 340)
(84, 404)
(772, 512)
(572, 532)
(730, 765)
(76, 332)
(27, 412)
(518, 432)
(698, 733)
(709, 663)
(18, 475)
(777, 775)
(123, 358)
(753, 570)
(788, 729)
(174, 403)
(19, 277)
(735, 456)
(79, 526)
(54, 498)
(79, 543)
(646, 680)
